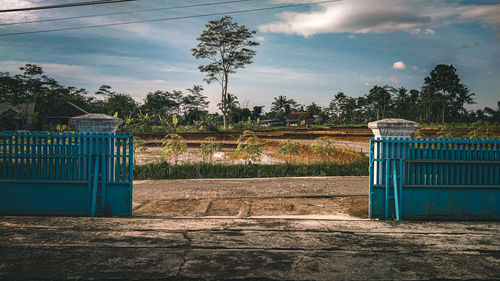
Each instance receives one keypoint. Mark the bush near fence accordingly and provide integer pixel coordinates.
(207, 170)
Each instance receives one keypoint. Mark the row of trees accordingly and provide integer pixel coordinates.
(442, 99)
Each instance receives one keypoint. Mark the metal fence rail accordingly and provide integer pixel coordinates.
(448, 172)
(43, 162)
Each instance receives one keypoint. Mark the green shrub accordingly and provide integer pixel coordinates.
(322, 146)
(139, 145)
(164, 170)
(249, 146)
(173, 147)
(288, 147)
(208, 147)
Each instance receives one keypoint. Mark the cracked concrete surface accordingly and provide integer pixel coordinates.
(242, 246)
(55, 248)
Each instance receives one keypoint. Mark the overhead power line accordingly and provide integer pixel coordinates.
(76, 4)
(169, 19)
(126, 12)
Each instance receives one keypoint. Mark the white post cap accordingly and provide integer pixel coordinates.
(96, 123)
(393, 127)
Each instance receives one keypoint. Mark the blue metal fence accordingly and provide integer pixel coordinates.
(66, 173)
(434, 178)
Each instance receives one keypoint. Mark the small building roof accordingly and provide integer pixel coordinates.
(297, 115)
(28, 108)
(67, 110)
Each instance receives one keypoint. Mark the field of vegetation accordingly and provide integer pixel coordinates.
(250, 154)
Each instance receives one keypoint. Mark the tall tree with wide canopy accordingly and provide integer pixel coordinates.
(162, 103)
(227, 47)
(379, 100)
(443, 88)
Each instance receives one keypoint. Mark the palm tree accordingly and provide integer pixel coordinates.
(494, 113)
(283, 106)
(231, 101)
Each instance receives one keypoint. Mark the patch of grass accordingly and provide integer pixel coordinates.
(357, 206)
(163, 170)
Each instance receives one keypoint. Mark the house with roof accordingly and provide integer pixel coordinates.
(298, 119)
(62, 114)
(16, 116)
(271, 122)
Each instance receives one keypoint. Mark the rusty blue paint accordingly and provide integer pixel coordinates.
(434, 178)
(65, 173)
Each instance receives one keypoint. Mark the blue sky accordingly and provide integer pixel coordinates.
(306, 53)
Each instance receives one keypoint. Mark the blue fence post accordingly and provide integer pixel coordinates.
(390, 137)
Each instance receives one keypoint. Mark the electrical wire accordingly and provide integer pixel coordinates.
(169, 19)
(76, 4)
(126, 12)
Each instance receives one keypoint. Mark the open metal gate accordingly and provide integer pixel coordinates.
(66, 173)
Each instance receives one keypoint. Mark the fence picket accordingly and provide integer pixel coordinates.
(44, 156)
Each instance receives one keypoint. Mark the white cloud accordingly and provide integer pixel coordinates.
(18, 16)
(399, 65)
(418, 69)
(282, 73)
(429, 31)
(489, 14)
(393, 80)
(384, 16)
(353, 16)
(259, 38)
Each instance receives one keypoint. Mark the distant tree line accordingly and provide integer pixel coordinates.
(442, 99)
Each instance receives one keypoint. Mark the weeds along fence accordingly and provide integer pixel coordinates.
(66, 173)
(435, 178)
(163, 170)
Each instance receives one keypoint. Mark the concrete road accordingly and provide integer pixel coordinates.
(59, 248)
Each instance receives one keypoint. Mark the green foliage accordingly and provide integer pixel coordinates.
(139, 145)
(162, 103)
(207, 170)
(444, 97)
(281, 107)
(322, 146)
(481, 129)
(288, 147)
(207, 124)
(209, 146)
(249, 124)
(173, 147)
(249, 146)
(418, 134)
(122, 104)
(175, 120)
(7, 121)
(62, 128)
(448, 131)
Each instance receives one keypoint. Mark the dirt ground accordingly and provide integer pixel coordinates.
(247, 229)
(252, 197)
